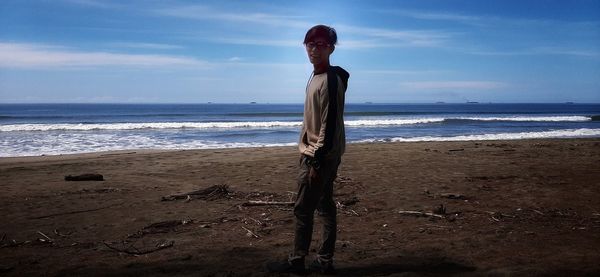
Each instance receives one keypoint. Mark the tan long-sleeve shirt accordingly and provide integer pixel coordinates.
(323, 134)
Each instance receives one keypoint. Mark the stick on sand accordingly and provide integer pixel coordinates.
(75, 212)
(417, 213)
(267, 203)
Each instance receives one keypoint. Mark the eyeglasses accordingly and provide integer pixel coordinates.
(318, 45)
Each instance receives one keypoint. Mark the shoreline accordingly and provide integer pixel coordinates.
(96, 154)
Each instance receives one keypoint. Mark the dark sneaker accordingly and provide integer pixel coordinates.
(322, 267)
(285, 266)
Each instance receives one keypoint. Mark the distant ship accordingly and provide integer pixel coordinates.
(472, 102)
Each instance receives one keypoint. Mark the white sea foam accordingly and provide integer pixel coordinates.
(568, 133)
(71, 143)
(150, 125)
(573, 118)
(74, 143)
(266, 124)
(390, 122)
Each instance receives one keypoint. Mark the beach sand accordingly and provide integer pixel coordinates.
(521, 208)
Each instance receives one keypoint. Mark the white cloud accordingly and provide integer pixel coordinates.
(428, 15)
(539, 51)
(94, 4)
(145, 45)
(452, 85)
(418, 38)
(202, 12)
(23, 55)
(400, 72)
(566, 51)
(367, 37)
(489, 20)
(257, 41)
(235, 59)
(365, 44)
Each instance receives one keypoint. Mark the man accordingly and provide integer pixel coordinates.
(322, 144)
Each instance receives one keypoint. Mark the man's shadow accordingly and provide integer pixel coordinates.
(375, 267)
(249, 261)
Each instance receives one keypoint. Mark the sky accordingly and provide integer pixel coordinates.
(421, 51)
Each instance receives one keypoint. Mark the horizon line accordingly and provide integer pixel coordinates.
(279, 103)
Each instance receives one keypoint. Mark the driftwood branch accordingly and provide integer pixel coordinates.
(267, 203)
(158, 247)
(538, 212)
(85, 177)
(453, 195)
(210, 193)
(56, 232)
(250, 233)
(48, 239)
(349, 202)
(343, 208)
(76, 212)
(160, 227)
(417, 213)
(14, 243)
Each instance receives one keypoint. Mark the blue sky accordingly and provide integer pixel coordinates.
(240, 51)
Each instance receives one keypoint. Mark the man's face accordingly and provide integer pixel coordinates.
(318, 51)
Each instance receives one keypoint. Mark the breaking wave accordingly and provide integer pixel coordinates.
(273, 124)
(567, 133)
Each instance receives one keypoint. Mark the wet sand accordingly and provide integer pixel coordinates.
(519, 208)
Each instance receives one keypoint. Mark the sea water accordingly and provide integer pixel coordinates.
(52, 129)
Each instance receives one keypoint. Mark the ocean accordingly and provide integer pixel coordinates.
(54, 129)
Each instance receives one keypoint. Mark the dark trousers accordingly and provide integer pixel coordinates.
(315, 195)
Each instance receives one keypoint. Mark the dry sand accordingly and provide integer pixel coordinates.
(521, 208)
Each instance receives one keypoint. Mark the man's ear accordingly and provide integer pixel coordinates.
(332, 49)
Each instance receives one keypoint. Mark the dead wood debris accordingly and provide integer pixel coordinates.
(160, 227)
(342, 181)
(85, 177)
(14, 243)
(46, 239)
(439, 212)
(418, 213)
(128, 244)
(344, 209)
(56, 232)
(453, 195)
(267, 203)
(101, 190)
(538, 212)
(210, 193)
(11, 243)
(349, 202)
(132, 250)
(250, 233)
(496, 216)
